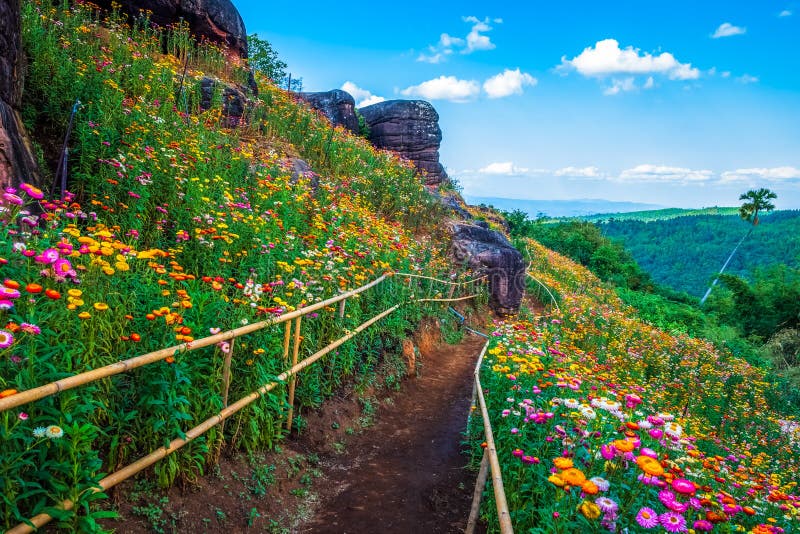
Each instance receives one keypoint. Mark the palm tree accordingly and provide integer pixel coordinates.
(757, 200)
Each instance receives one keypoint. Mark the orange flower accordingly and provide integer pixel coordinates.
(563, 463)
(33, 288)
(52, 294)
(7, 393)
(623, 445)
(590, 488)
(136, 337)
(11, 284)
(650, 465)
(573, 476)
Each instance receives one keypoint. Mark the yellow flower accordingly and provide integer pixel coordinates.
(84, 315)
(573, 476)
(74, 292)
(100, 306)
(589, 509)
(557, 480)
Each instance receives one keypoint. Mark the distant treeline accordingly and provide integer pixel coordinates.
(686, 252)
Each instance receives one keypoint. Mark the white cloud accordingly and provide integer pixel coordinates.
(649, 84)
(785, 13)
(774, 174)
(503, 167)
(618, 86)
(726, 29)
(581, 172)
(509, 82)
(726, 74)
(662, 173)
(362, 96)
(746, 78)
(445, 88)
(606, 58)
(475, 40)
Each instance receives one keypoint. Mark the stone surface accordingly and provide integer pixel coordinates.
(17, 160)
(489, 252)
(234, 99)
(215, 20)
(410, 128)
(337, 106)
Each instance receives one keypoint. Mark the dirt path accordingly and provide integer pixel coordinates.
(406, 473)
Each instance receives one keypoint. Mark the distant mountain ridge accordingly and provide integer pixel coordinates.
(562, 208)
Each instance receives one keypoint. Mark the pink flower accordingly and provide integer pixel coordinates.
(703, 525)
(32, 191)
(683, 486)
(672, 522)
(11, 198)
(647, 517)
(6, 339)
(22, 416)
(607, 452)
(666, 497)
(6, 304)
(655, 433)
(8, 293)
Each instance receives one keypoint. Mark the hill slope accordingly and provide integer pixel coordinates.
(685, 252)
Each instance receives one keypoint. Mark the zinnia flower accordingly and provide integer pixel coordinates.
(647, 517)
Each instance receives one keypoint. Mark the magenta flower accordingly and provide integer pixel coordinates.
(6, 304)
(22, 416)
(672, 522)
(32, 191)
(8, 293)
(703, 525)
(666, 496)
(607, 452)
(647, 518)
(62, 267)
(30, 328)
(11, 198)
(683, 486)
(6, 339)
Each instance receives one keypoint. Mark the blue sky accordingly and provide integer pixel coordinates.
(677, 103)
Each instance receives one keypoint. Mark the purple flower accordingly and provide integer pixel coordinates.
(647, 518)
(606, 505)
(666, 496)
(672, 522)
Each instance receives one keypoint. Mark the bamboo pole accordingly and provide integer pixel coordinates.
(341, 308)
(74, 381)
(287, 336)
(497, 477)
(226, 374)
(411, 275)
(480, 483)
(131, 469)
(293, 379)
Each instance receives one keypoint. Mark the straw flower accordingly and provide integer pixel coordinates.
(589, 510)
(6, 339)
(647, 517)
(100, 306)
(649, 465)
(54, 432)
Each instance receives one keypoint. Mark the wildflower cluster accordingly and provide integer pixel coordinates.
(605, 423)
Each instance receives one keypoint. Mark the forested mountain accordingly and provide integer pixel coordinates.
(686, 252)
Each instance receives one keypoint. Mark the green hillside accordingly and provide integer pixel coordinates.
(658, 215)
(684, 252)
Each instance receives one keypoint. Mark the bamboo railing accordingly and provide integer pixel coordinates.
(132, 469)
(490, 457)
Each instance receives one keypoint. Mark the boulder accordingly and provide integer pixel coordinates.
(234, 99)
(337, 106)
(410, 128)
(17, 160)
(215, 20)
(489, 252)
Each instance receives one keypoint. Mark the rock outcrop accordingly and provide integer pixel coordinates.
(17, 160)
(214, 20)
(337, 106)
(410, 128)
(489, 252)
(234, 99)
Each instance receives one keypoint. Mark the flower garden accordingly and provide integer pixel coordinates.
(604, 423)
(177, 225)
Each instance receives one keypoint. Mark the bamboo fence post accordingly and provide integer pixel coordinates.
(226, 374)
(287, 336)
(503, 515)
(146, 461)
(480, 483)
(450, 293)
(293, 380)
(342, 304)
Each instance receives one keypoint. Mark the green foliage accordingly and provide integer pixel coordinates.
(684, 253)
(263, 58)
(363, 126)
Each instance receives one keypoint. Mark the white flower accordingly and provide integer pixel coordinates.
(54, 432)
(39, 432)
(601, 483)
(673, 429)
(571, 403)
